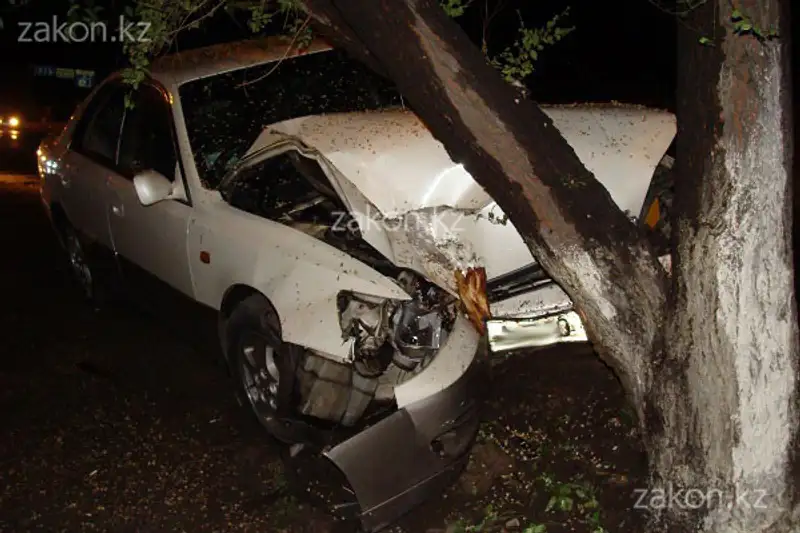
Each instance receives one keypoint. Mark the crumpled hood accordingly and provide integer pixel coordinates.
(397, 164)
(424, 211)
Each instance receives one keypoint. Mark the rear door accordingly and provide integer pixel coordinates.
(91, 161)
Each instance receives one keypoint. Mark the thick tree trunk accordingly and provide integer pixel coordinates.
(511, 147)
(723, 413)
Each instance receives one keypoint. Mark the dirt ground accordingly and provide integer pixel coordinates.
(110, 423)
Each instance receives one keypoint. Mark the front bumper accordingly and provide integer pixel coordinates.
(413, 454)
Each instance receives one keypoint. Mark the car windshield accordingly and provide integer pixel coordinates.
(225, 113)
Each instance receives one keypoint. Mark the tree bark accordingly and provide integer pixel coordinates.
(723, 416)
(511, 147)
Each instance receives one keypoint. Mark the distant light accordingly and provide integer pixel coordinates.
(50, 166)
(13, 122)
(14, 135)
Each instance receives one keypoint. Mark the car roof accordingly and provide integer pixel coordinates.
(181, 67)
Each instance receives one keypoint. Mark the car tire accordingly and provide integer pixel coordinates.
(261, 364)
(81, 268)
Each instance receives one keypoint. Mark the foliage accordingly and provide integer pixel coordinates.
(741, 23)
(167, 19)
(492, 522)
(563, 497)
(455, 8)
(517, 62)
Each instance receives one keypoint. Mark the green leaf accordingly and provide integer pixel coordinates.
(535, 528)
(550, 504)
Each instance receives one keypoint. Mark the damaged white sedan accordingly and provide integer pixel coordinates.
(349, 266)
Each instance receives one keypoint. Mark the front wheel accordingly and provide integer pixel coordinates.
(261, 364)
(79, 264)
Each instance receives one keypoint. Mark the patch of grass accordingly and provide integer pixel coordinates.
(286, 510)
(492, 522)
(568, 497)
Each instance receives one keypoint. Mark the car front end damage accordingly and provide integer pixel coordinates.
(417, 357)
(418, 450)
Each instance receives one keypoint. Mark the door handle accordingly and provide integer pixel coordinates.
(117, 207)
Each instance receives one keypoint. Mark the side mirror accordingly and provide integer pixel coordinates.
(152, 187)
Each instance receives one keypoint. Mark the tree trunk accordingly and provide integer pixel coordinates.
(708, 356)
(511, 147)
(723, 416)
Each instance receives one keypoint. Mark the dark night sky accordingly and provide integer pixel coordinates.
(624, 53)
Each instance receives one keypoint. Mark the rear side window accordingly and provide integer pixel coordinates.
(97, 134)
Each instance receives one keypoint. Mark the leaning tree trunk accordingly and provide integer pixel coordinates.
(724, 418)
(712, 371)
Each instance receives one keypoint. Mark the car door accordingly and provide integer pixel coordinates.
(90, 161)
(150, 241)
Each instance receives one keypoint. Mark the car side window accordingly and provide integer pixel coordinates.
(98, 132)
(287, 188)
(147, 141)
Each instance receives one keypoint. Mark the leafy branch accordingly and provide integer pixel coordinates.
(517, 61)
(167, 19)
(744, 25)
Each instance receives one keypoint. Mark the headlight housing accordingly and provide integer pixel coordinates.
(407, 333)
(418, 333)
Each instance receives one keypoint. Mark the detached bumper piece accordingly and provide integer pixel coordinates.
(515, 334)
(411, 455)
(544, 328)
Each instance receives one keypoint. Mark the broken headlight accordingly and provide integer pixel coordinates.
(366, 319)
(403, 332)
(418, 333)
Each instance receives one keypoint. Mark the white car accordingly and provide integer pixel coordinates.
(331, 242)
